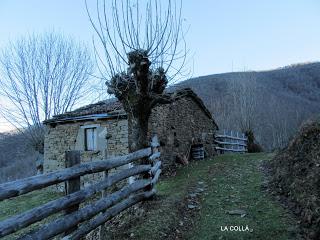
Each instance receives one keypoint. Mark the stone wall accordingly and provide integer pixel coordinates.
(177, 125)
(70, 136)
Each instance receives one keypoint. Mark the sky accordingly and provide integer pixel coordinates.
(223, 36)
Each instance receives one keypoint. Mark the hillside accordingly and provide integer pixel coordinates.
(277, 101)
(17, 159)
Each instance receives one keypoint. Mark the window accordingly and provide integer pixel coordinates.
(90, 139)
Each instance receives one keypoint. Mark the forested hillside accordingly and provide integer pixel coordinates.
(272, 103)
(17, 157)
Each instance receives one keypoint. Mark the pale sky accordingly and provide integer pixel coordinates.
(224, 35)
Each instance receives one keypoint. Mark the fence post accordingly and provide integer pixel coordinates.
(154, 149)
(72, 158)
(104, 193)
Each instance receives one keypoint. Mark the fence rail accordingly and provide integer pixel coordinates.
(231, 141)
(108, 206)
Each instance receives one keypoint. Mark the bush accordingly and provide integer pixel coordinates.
(253, 147)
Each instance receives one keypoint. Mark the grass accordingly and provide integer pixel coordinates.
(232, 182)
(23, 203)
(227, 182)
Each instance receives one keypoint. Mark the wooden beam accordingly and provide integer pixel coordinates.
(154, 156)
(22, 186)
(230, 137)
(110, 213)
(72, 158)
(156, 177)
(155, 168)
(231, 150)
(155, 142)
(229, 143)
(27, 218)
(66, 222)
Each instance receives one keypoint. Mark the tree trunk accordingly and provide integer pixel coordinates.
(138, 132)
(39, 162)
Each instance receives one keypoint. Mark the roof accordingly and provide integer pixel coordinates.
(112, 108)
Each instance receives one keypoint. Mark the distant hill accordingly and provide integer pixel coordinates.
(17, 157)
(282, 99)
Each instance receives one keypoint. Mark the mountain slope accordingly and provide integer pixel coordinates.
(280, 100)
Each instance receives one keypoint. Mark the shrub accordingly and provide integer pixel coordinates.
(253, 147)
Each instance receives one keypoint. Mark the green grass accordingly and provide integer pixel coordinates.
(235, 183)
(232, 182)
(23, 203)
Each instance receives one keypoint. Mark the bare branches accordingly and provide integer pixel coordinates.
(141, 43)
(243, 91)
(127, 26)
(42, 76)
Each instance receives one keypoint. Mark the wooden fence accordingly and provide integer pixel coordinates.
(91, 215)
(231, 141)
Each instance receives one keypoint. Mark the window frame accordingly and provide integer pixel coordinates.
(94, 138)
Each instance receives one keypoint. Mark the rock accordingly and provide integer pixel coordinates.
(240, 212)
(191, 206)
(198, 190)
(193, 195)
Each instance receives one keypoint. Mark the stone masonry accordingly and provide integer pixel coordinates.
(178, 125)
(65, 137)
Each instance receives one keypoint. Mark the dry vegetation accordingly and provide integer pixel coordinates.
(297, 177)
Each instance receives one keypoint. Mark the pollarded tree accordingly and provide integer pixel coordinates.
(41, 76)
(142, 44)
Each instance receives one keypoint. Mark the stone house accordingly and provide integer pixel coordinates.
(100, 130)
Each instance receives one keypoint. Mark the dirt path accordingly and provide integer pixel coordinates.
(221, 198)
(236, 205)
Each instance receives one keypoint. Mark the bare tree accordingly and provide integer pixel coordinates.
(143, 51)
(244, 92)
(41, 76)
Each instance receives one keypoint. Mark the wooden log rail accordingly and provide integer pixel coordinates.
(22, 186)
(231, 141)
(91, 215)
